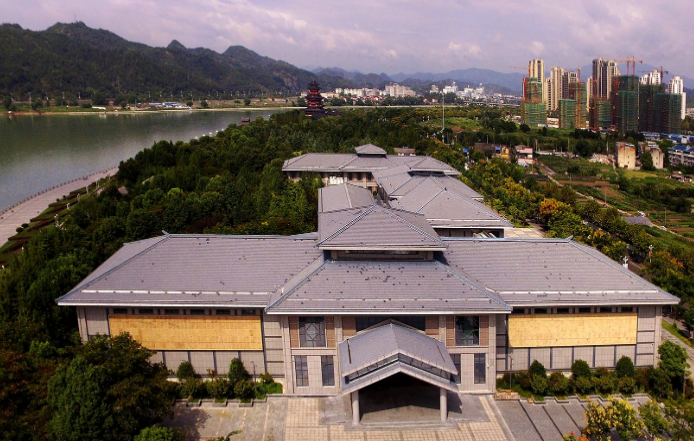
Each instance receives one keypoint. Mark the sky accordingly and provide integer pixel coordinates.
(394, 36)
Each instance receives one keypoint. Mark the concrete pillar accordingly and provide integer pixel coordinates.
(443, 403)
(355, 408)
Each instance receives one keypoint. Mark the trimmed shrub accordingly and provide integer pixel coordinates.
(237, 372)
(266, 378)
(641, 377)
(244, 390)
(580, 369)
(539, 384)
(559, 384)
(536, 368)
(218, 388)
(659, 382)
(584, 386)
(185, 370)
(604, 384)
(627, 385)
(624, 367)
(523, 379)
(602, 372)
(191, 387)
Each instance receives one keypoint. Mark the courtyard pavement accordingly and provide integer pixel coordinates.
(472, 418)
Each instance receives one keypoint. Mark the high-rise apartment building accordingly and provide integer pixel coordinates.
(676, 86)
(625, 103)
(556, 78)
(536, 69)
(604, 72)
(651, 78)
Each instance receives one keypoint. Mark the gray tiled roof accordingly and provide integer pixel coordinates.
(369, 149)
(392, 178)
(638, 220)
(431, 184)
(446, 208)
(549, 272)
(384, 287)
(196, 270)
(369, 347)
(344, 162)
(343, 196)
(376, 228)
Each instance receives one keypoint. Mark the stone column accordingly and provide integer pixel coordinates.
(443, 403)
(355, 408)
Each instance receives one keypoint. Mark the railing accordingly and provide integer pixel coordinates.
(83, 178)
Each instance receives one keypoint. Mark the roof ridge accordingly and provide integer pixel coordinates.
(348, 224)
(119, 266)
(349, 199)
(320, 263)
(430, 199)
(391, 212)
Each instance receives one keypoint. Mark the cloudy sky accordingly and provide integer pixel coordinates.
(389, 36)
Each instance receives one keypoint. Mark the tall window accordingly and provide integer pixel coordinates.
(467, 330)
(328, 370)
(312, 332)
(301, 367)
(480, 369)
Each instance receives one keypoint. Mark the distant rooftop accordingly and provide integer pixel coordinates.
(369, 149)
(343, 196)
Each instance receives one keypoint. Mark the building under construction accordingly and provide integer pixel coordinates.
(647, 112)
(533, 110)
(572, 113)
(625, 103)
(567, 114)
(668, 113)
(600, 113)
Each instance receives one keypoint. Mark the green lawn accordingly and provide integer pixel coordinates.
(672, 329)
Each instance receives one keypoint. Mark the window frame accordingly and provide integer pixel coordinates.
(480, 368)
(467, 336)
(327, 367)
(301, 370)
(318, 340)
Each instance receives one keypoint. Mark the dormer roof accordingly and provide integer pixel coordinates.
(369, 149)
(376, 228)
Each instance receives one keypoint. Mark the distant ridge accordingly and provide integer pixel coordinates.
(72, 58)
(475, 76)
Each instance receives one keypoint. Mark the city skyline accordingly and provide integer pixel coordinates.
(391, 37)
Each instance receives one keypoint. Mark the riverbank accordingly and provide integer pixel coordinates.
(22, 212)
(116, 111)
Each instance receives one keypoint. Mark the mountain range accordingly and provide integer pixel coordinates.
(72, 58)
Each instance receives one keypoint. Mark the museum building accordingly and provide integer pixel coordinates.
(425, 287)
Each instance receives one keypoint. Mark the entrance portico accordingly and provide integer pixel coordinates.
(391, 349)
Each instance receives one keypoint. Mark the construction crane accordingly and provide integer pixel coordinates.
(630, 60)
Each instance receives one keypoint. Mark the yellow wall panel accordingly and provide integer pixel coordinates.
(161, 332)
(547, 330)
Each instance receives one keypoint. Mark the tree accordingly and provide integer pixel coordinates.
(7, 102)
(247, 102)
(156, 433)
(237, 372)
(673, 361)
(110, 391)
(624, 367)
(537, 368)
(185, 370)
(618, 415)
(204, 104)
(580, 369)
(647, 162)
(688, 321)
(654, 420)
(524, 128)
(36, 104)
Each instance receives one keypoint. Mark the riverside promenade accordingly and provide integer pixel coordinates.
(14, 216)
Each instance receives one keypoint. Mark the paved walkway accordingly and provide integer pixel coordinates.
(303, 419)
(15, 216)
(548, 421)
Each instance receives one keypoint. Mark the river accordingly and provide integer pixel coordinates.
(40, 151)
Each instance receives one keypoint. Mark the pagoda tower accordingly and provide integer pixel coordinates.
(314, 101)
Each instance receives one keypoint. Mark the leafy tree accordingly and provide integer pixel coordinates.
(204, 104)
(584, 385)
(680, 417)
(7, 102)
(647, 161)
(524, 128)
(654, 420)
(36, 104)
(537, 368)
(673, 361)
(247, 102)
(109, 391)
(624, 367)
(539, 384)
(237, 372)
(185, 370)
(218, 388)
(559, 384)
(688, 320)
(618, 415)
(580, 369)
(244, 389)
(156, 433)
(659, 382)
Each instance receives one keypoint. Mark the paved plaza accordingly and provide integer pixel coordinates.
(471, 418)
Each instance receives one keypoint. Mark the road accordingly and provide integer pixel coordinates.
(15, 216)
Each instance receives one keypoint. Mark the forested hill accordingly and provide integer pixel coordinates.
(73, 58)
